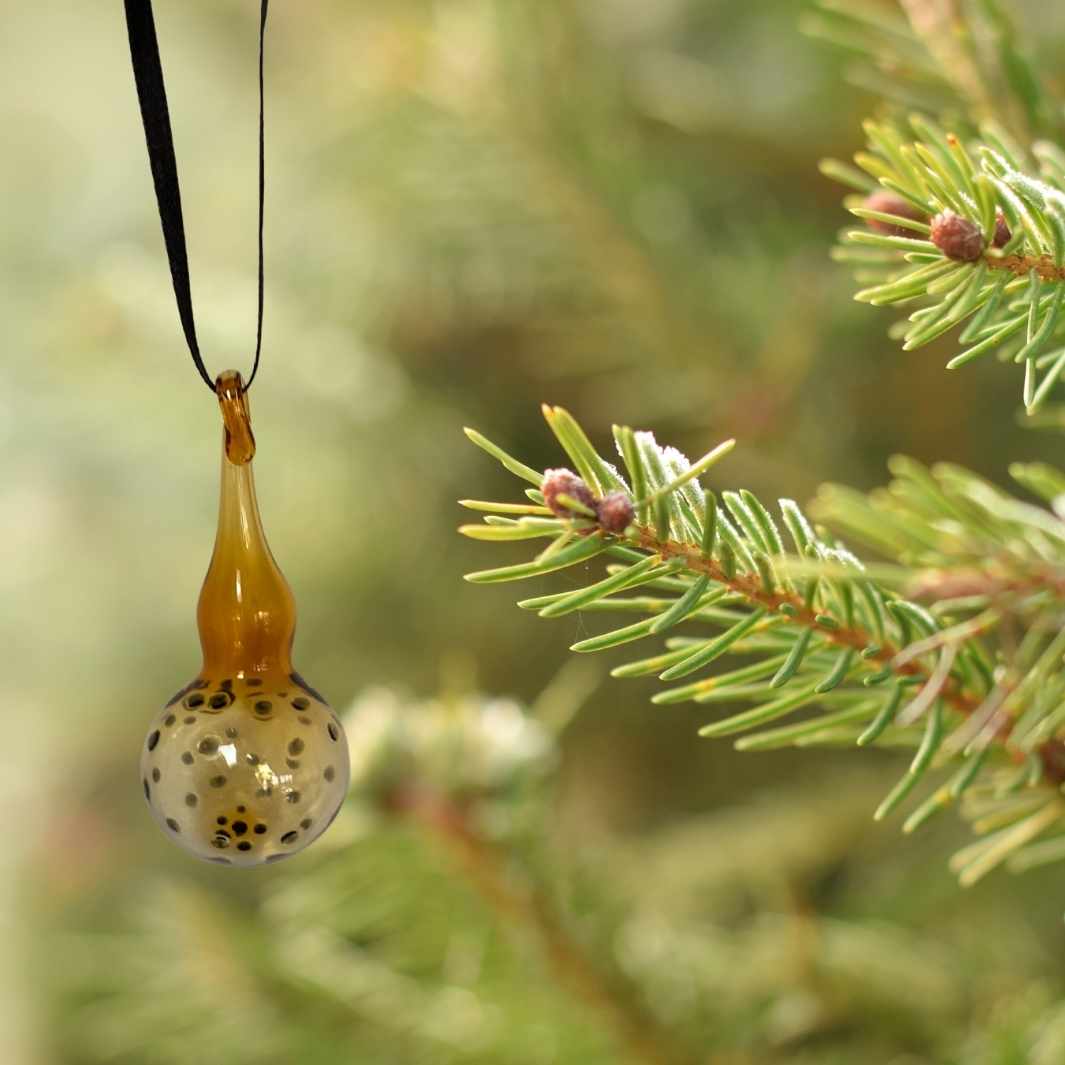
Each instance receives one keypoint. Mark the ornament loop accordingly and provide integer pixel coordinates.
(233, 399)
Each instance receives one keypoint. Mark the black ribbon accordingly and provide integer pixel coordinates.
(151, 92)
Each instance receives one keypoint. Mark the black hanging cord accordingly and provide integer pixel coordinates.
(151, 92)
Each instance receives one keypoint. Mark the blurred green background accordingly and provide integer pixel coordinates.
(473, 206)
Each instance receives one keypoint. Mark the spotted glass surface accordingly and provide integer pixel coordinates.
(241, 772)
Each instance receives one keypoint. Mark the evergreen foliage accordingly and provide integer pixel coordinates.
(440, 924)
(990, 161)
(1005, 297)
(952, 645)
(832, 652)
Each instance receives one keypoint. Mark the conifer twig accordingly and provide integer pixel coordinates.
(939, 26)
(832, 653)
(887, 656)
(522, 903)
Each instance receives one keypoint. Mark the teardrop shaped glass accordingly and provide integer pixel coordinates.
(247, 763)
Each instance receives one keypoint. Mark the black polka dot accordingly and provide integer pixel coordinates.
(253, 682)
(304, 720)
(186, 757)
(194, 700)
(222, 820)
(260, 829)
(263, 706)
(329, 772)
(301, 703)
(219, 700)
(295, 747)
(173, 825)
(169, 720)
(153, 739)
(305, 823)
(333, 733)
(290, 837)
(190, 799)
(243, 845)
(292, 796)
(226, 685)
(190, 721)
(221, 840)
(241, 809)
(217, 782)
(147, 790)
(240, 827)
(208, 745)
(297, 679)
(156, 774)
(292, 763)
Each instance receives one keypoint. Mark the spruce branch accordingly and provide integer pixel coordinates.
(833, 653)
(970, 236)
(939, 26)
(962, 57)
(518, 901)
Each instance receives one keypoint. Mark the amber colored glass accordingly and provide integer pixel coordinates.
(247, 763)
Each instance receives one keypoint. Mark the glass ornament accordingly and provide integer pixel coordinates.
(247, 763)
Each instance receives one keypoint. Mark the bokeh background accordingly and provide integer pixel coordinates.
(473, 206)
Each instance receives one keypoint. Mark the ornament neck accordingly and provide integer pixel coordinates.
(246, 613)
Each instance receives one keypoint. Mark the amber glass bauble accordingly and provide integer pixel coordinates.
(247, 763)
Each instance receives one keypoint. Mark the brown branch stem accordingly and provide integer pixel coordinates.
(519, 902)
(950, 584)
(1023, 265)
